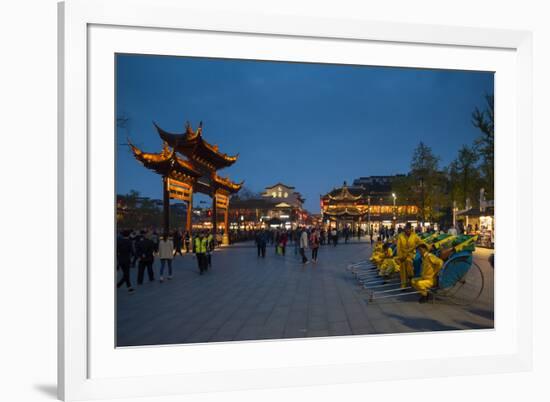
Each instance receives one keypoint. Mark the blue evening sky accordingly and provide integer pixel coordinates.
(310, 126)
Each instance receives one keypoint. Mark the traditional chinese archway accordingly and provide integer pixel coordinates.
(197, 173)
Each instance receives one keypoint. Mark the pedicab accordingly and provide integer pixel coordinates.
(460, 280)
(366, 269)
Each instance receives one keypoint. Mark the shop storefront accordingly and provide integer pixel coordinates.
(481, 223)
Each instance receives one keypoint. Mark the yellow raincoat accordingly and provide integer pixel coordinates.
(431, 265)
(384, 255)
(377, 253)
(406, 250)
(389, 266)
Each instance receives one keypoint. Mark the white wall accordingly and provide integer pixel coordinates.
(28, 221)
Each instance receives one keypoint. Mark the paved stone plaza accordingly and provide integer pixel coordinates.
(244, 297)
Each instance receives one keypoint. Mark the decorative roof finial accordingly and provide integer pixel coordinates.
(188, 128)
(199, 129)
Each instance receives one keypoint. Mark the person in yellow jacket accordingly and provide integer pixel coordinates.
(378, 253)
(389, 265)
(431, 265)
(407, 241)
(387, 253)
(201, 246)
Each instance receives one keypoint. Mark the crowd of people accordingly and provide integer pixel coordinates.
(303, 240)
(139, 248)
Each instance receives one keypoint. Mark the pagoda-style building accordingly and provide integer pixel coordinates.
(188, 164)
(369, 201)
(344, 206)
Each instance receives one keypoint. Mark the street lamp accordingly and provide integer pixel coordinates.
(368, 217)
(394, 198)
(422, 199)
(455, 209)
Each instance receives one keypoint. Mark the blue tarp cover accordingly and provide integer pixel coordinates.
(417, 265)
(455, 269)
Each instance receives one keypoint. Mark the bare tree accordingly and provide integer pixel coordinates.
(484, 120)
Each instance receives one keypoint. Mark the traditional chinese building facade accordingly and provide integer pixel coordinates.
(280, 205)
(369, 202)
(189, 164)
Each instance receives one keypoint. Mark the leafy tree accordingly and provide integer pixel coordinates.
(484, 120)
(246, 193)
(425, 185)
(424, 162)
(464, 176)
(136, 212)
(428, 182)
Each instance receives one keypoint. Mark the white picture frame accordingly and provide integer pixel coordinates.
(78, 377)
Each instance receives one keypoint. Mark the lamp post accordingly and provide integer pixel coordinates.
(422, 198)
(394, 217)
(368, 217)
(455, 209)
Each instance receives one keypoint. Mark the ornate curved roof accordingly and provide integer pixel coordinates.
(346, 211)
(166, 163)
(343, 194)
(191, 144)
(225, 183)
(279, 184)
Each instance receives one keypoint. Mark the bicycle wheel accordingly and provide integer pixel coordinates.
(467, 289)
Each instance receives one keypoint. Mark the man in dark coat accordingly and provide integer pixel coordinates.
(261, 243)
(145, 250)
(187, 239)
(124, 252)
(177, 243)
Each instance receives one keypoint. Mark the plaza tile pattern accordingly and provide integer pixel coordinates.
(244, 297)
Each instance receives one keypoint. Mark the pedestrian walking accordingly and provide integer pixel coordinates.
(124, 251)
(314, 241)
(261, 242)
(135, 238)
(166, 253)
(154, 237)
(200, 252)
(276, 242)
(146, 249)
(303, 246)
(187, 240)
(177, 243)
(334, 235)
(283, 239)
